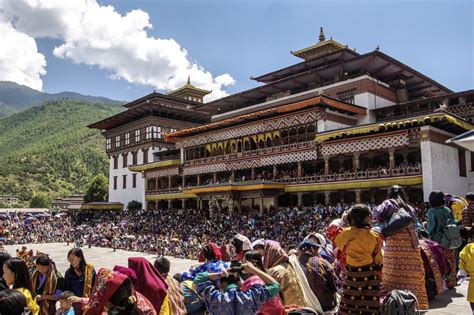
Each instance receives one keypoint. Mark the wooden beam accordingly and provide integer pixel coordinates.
(419, 88)
(366, 64)
(380, 69)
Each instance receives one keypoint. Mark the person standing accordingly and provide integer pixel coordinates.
(438, 217)
(402, 262)
(468, 214)
(47, 283)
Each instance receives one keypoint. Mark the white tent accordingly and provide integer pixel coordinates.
(465, 140)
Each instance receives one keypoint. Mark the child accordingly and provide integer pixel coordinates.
(363, 249)
(466, 268)
(65, 306)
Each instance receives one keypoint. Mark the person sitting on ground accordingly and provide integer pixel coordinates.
(230, 299)
(175, 293)
(12, 302)
(65, 306)
(16, 274)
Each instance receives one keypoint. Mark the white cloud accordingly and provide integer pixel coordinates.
(98, 35)
(20, 61)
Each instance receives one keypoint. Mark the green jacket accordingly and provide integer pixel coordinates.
(437, 219)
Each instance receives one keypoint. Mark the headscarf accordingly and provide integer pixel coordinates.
(308, 244)
(246, 245)
(321, 239)
(273, 255)
(260, 242)
(217, 252)
(128, 272)
(150, 282)
(106, 284)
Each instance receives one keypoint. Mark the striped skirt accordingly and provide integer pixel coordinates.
(360, 293)
(403, 268)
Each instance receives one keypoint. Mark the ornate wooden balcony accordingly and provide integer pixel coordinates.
(348, 176)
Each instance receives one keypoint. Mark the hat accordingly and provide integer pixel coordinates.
(308, 244)
(321, 239)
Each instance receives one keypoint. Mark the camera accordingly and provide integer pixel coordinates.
(236, 266)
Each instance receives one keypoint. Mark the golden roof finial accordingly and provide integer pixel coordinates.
(322, 38)
(189, 79)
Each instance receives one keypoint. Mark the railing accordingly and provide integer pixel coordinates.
(163, 191)
(256, 152)
(370, 174)
(459, 109)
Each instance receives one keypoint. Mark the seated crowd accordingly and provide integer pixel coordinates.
(331, 263)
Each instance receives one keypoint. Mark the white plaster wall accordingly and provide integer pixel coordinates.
(128, 194)
(332, 125)
(370, 101)
(440, 166)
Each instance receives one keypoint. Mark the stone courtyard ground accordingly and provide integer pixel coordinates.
(450, 302)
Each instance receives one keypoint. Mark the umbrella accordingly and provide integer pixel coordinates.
(3, 216)
(465, 140)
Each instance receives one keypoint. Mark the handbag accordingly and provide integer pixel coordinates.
(398, 221)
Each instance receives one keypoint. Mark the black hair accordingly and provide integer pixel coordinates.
(3, 257)
(255, 258)
(470, 196)
(177, 277)
(208, 252)
(238, 244)
(162, 264)
(396, 192)
(78, 253)
(358, 214)
(43, 260)
(437, 198)
(22, 274)
(232, 278)
(122, 302)
(12, 302)
(65, 295)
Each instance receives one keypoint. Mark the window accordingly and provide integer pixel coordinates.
(117, 141)
(108, 144)
(115, 157)
(127, 138)
(124, 177)
(462, 163)
(137, 135)
(135, 158)
(134, 180)
(347, 96)
(115, 182)
(145, 156)
(148, 133)
(124, 157)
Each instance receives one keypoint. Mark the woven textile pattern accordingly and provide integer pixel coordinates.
(163, 172)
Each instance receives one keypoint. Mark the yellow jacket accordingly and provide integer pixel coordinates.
(30, 302)
(466, 262)
(362, 246)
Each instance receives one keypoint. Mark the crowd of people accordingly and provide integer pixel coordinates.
(343, 259)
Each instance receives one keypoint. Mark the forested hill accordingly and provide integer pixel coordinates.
(15, 97)
(49, 148)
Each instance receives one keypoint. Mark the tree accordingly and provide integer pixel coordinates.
(134, 205)
(40, 200)
(97, 190)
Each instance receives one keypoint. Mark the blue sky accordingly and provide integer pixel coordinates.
(245, 38)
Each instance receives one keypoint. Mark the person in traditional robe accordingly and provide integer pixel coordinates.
(212, 258)
(47, 283)
(175, 291)
(80, 276)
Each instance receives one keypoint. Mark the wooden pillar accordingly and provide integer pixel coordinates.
(198, 180)
(327, 197)
(169, 181)
(300, 166)
(232, 176)
(169, 204)
(183, 182)
(275, 171)
(157, 183)
(252, 176)
(342, 194)
(183, 203)
(275, 202)
(261, 205)
(391, 158)
(215, 177)
(326, 165)
(358, 192)
(356, 161)
(300, 199)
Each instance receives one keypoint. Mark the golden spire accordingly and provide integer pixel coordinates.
(322, 38)
(189, 79)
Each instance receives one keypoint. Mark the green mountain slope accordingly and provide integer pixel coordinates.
(15, 97)
(49, 148)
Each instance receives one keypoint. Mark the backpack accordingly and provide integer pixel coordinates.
(451, 235)
(400, 302)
